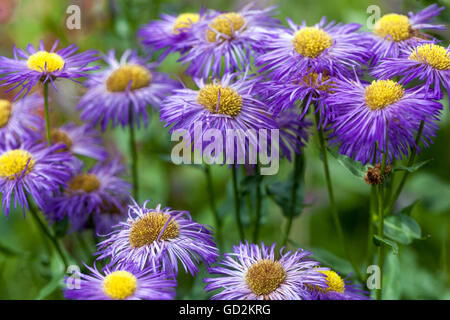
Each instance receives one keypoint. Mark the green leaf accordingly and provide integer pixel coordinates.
(281, 193)
(391, 278)
(48, 289)
(402, 228)
(329, 259)
(355, 167)
(380, 241)
(407, 210)
(413, 168)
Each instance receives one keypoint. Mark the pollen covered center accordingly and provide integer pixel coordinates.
(148, 228)
(316, 80)
(226, 24)
(334, 282)
(265, 276)
(134, 76)
(396, 26)
(59, 136)
(382, 93)
(15, 163)
(311, 41)
(434, 55)
(185, 20)
(86, 182)
(44, 61)
(119, 285)
(222, 100)
(5, 112)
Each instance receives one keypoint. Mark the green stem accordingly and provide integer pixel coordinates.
(47, 115)
(258, 206)
(212, 202)
(237, 203)
(406, 174)
(298, 164)
(334, 211)
(134, 157)
(56, 243)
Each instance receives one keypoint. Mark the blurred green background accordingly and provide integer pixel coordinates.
(419, 271)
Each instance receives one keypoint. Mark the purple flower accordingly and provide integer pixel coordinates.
(253, 272)
(20, 121)
(121, 93)
(366, 113)
(159, 237)
(121, 283)
(32, 65)
(89, 193)
(338, 288)
(109, 216)
(427, 62)
(231, 38)
(293, 133)
(227, 104)
(394, 32)
(80, 140)
(170, 33)
(31, 170)
(302, 50)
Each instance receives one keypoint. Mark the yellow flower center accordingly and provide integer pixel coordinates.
(44, 61)
(265, 276)
(397, 26)
(87, 182)
(185, 20)
(119, 285)
(434, 55)
(226, 24)
(5, 112)
(147, 229)
(311, 41)
(120, 79)
(61, 137)
(382, 93)
(14, 162)
(334, 282)
(230, 101)
(311, 80)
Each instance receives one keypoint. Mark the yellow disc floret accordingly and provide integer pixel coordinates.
(434, 55)
(86, 182)
(226, 24)
(312, 81)
(334, 282)
(148, 228)
(382, 93)
(5, 112)
(265, 276)
(185, 20)
(44, 61)
(15, 163)
(121, 78)
(119, 285)
(311, 41)
(396, 26)
(57, 135)
(230, 101)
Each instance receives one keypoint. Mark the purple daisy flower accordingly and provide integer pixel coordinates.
(229, 38)
(302, 50)
(170, 33)
(80, 140)
(20, 121)
(338, 288)
(88, 193)
(109, 216)
(427, 62)
(365, 113)
(228, 104)
(159, 237)
(293, 133)
(121, 283)
(394, 32)
(252, 272)
(31, 170)
(32, 65)
(122, 92)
